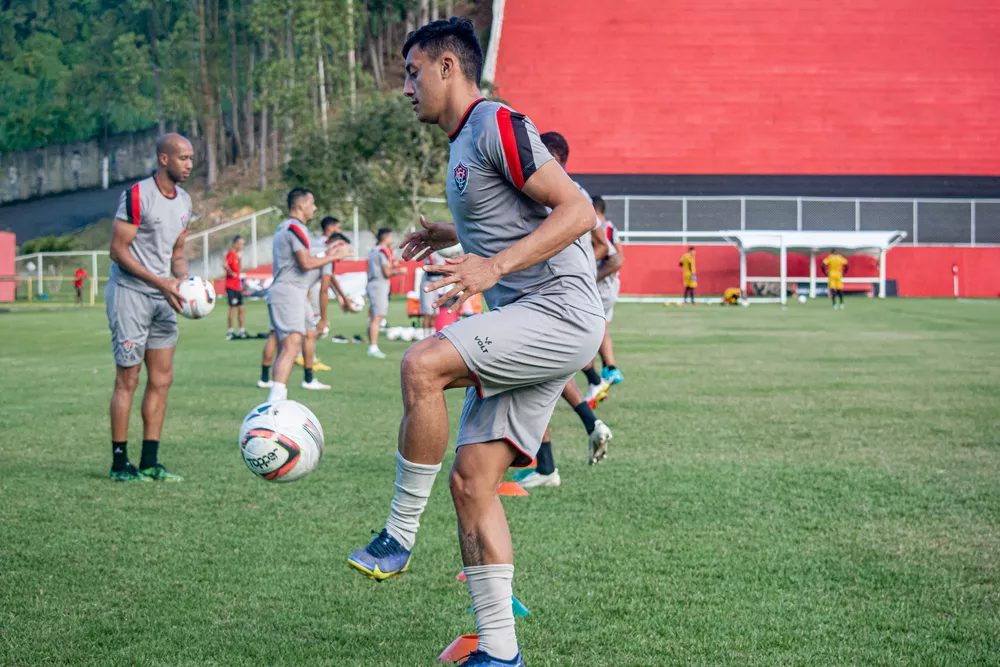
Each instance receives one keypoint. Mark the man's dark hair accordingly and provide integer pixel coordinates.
(327, 221)
(458, 35)
(382, 233)
(337, 236)
(557, 145)
(295, 195)
(236, 239)
(598, 203)
(691, 249)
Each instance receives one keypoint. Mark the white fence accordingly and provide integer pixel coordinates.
(206, 250)
(971, 222)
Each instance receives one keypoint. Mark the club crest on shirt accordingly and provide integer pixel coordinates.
(461, 174)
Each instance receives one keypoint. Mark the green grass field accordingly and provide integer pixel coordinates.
(800, 487)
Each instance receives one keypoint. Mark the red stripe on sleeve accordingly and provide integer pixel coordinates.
(387, 253)
(135, 211)
(510, 147)
(299, 233)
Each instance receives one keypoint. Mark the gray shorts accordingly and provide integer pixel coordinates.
(289, 314)
(378, 300)
(427, 299)
(522, 356)
(608, 289)
(138, 322)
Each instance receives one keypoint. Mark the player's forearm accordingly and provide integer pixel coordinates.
(308, 263)
(179, 266)
(324, 302)
(125, 260)
(558, 231)
(335, 284)
(611, 267)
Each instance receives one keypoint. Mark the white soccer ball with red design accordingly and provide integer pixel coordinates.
(197, 297)
(281, 441)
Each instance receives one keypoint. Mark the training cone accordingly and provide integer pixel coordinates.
(522, 473)
(459, 650)
(519, 608)
(511, 489)
(460, 576)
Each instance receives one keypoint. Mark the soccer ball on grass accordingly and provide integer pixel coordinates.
(281, 441)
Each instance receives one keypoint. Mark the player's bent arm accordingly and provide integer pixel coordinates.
(599, 242)
(122, 235)
(307, 262)
(178, 262)
(324, 296)
(611, 267)
(572, 216)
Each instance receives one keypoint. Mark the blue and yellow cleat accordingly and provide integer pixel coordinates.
(383, 558)
(615, 375)
(483, 659)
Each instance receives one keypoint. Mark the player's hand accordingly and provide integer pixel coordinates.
(337, 250)
(323, 326)
(465, 275)
(169, 288)
(431, 237)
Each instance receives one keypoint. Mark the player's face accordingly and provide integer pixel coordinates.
(308, 207)
(424, 85)
(178, 162)
(239, 245)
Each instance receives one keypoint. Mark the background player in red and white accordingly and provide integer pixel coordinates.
(234, 287)
(545, 321)
(141, 299)
(608, 286)
(428, 311)
(328, 278)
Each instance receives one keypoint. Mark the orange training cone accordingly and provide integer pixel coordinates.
(459, 650)
(460, 576)
(511, 489)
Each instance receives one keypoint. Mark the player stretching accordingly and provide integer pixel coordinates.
(234, 288)
(428, 311)
(608, 285)
(544, 323)
(835, 268)
(147, 248)
(381, 267)
(690, 277)
(287, 302)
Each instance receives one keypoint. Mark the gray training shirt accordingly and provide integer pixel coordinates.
(160, 220)
(378, 256)
(289, 279)
(493, 149)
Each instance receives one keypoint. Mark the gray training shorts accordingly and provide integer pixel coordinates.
(522, 356)
(138, 322)
(427, 299)
(289, 312)
(608, 289)
(378, 300)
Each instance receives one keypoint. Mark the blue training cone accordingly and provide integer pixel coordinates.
(519, 609)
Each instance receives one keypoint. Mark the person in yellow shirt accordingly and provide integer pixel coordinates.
(731, 296)
(690, 278)
(835, 268)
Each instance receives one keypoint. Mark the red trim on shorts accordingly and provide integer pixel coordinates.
(523, 453)
(134, 210)
(509, 142)
(479, 384)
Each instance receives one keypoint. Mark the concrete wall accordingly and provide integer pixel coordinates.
(55, 169)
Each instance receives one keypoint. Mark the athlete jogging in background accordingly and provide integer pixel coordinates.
(609, 286)
(545, 321)
(381, 267)
(234, 287)
(141, 299)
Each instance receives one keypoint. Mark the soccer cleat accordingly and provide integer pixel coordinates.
(483, 659)
(129, 474)
(243, 335)
(615, 375)
(383, 558)
(522, 473)
(598, 393)
(230, 335)
(158, 473)
(536, 479)
(265, 385)
(339, 339)
(597, 442)
(376, 353)
(314, 384)
(299, 361)
(320, 366)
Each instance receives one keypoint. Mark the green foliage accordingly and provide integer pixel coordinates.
(381, 155)
(47, 244)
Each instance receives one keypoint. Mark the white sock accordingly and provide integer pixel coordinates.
(279, 392)
(413, 487)
(428, 332)
(491, 588)
(372, 348)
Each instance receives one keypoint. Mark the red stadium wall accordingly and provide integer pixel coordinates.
(891, 87)
(8, 250)
(923, 271)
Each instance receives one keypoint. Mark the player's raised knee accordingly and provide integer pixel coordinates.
(421, 366)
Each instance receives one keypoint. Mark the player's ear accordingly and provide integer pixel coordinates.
(447, 65)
